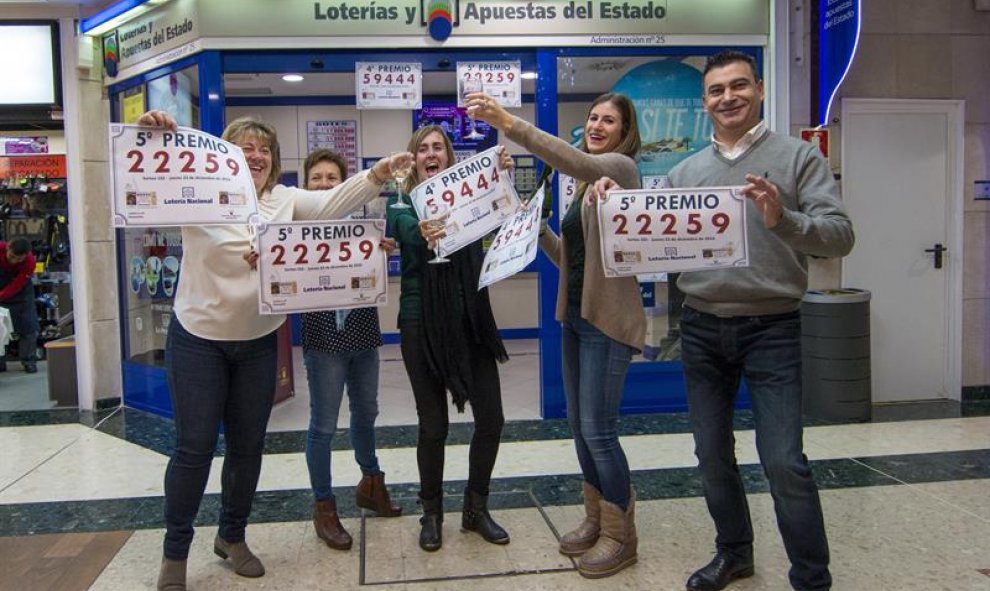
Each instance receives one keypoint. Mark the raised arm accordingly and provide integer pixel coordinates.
(551, 149)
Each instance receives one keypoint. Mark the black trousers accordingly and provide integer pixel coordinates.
(432, 407)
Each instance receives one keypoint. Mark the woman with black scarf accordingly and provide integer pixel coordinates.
(449, 342)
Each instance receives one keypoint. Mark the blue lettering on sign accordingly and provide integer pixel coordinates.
(839, 23)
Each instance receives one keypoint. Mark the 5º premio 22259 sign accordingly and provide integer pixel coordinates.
(672, 230)
(178, 178)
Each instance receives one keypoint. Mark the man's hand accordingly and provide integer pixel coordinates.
(766, 197)
(597, 191)
(388, 245)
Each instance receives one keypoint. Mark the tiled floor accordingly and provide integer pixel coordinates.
(905, 499)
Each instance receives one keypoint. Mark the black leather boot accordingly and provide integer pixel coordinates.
(722, 570)
(431, 534)
(477, 519)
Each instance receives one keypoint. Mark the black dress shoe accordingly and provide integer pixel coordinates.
(722, 570)
(30, 367)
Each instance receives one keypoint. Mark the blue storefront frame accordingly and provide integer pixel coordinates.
(651, 386)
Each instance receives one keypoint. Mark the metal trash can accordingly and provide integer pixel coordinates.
(835, 354)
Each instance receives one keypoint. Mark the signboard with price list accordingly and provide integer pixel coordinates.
(181, 178)
(474, 197)
(329, 265)
(673, 230)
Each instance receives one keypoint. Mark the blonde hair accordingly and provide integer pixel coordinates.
(417, 138)
(244, 127)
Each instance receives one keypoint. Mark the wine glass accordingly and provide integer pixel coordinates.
(400, 169)
(437, 225)
(468, 87)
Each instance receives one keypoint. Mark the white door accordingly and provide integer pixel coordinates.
(902, 182)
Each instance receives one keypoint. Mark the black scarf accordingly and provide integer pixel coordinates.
(455, 314)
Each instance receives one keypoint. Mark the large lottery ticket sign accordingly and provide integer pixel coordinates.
(673, 230)
(473, 198)
(515, 245)
(309, 266)
(388, 85)
(177, 178)
(500, 80)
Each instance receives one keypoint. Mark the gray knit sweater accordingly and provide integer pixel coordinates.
(814, 223)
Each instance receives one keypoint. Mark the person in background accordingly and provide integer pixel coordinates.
(449, 342)
(602, 319)
(745, 323)
(17, 264)
(220, 353)
(341, 348)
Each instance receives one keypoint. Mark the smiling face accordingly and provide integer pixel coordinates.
(603, 129)
(323, 175)
(259, 159)
(431, 155)
(733, 98)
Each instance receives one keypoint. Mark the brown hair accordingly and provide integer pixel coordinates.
(249, 126)
(323, 155)
(417, 138)
(630, 142)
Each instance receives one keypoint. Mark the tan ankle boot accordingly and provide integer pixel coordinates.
(328, 526)
(172, 576)
(371, 494)
(245, 562)
(617, 544)
(578, 541)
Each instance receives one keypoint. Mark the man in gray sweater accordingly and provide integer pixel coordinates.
(745, 323)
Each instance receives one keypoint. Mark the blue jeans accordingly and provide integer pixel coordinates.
(595, 367)
(328, 373)
(213, 383)
(766, 351)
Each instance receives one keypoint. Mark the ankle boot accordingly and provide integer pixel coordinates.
(579, 540)
(245, 562)
(477, 519)
(328, 526)
(616, 545)
(371, 494)
(172, 576)
(431, 534)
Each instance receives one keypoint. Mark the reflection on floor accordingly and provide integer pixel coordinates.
(24, 391)
(904, 499)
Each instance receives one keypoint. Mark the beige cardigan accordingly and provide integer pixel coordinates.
(612, 305)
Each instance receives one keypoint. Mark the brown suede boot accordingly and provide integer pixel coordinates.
(616, 546)
(245, 562)
(371, 494)
(172, 576)
(578, 541)
(328, 526)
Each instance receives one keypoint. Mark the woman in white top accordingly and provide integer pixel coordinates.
(220, 353)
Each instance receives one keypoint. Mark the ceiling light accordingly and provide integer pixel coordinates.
(293, 78)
